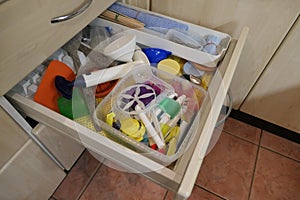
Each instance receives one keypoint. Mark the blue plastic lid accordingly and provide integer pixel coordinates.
(155, 55)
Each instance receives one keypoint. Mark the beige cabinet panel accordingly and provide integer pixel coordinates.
(28, 37)
(65, 148)
(145, 4)
(276, 96)
(12, 137)
(269, 22)
(30, 174)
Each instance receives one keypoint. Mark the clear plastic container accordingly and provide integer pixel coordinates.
(146, 94)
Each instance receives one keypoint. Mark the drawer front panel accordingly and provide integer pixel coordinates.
(63, 147)
(227, 70)
(28, 37)
(30, 174)
(12, 137)
(97, 143)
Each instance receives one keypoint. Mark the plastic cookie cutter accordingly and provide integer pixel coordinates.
(134, 100)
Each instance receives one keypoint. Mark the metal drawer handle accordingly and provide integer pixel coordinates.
(74, 13)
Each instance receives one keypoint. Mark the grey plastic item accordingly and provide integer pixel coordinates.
(185, 39)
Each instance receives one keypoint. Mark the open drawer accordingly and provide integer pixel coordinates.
(179, 177)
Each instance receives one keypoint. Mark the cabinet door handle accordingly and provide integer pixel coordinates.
(72, 14)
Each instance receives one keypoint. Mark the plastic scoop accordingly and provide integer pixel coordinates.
(47, 93)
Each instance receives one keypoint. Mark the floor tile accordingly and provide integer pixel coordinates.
(242, 130)
(227, 170)
(197, 194)
(281, 145)
(276, 177)
(78, 178)
(110, 184)
(214, 140)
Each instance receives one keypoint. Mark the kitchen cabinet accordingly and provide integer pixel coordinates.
(269, 22)
(27, 38)
(29, 51)
(276, 95)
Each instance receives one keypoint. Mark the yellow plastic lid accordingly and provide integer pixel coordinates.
(169, 65)
(133, 128)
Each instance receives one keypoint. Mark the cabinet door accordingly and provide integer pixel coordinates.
(269, 22)
(276, 96)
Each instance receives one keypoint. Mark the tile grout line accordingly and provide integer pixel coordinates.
(215, 194)
(259, 144)
(255, 163)
(278, 153)
(165, 196)
(239, 137)
(245, 140)
(67, 173)
(89, 181)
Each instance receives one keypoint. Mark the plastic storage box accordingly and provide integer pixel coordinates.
(128, 93)
(173, 39)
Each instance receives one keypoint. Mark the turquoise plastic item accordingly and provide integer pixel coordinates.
(170, 106)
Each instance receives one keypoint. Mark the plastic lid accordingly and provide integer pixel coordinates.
(169, 65)
(155, 55)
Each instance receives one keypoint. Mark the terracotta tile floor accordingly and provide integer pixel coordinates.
(245, 163)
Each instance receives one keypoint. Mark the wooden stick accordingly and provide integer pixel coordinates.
(121, 19)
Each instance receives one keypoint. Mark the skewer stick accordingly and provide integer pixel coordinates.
(121, 19)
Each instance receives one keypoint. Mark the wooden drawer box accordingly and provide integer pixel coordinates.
(181, 177)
